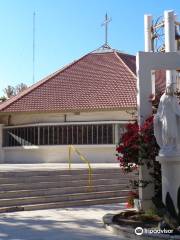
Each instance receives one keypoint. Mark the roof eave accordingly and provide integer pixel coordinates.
(71, 110)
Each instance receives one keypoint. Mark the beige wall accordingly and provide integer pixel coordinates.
(18, 119)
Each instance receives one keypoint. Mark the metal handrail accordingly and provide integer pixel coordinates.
(72, 148)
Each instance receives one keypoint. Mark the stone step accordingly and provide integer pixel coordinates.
(66, 204)
(66, 190)
(43, 186)
(62, 198)
(45, 172)
(69, 183)
(53, 178)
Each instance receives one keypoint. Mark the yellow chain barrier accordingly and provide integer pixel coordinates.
(72, 148)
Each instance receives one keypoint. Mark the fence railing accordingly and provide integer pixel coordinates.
(59, 135)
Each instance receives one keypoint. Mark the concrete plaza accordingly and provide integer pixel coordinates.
(80, 223)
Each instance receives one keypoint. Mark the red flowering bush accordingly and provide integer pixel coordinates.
(128, 148)
(137, 146)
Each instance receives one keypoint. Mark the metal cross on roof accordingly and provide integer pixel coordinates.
(105, 23)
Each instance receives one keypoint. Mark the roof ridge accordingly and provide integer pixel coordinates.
(13, 99)
(134, 75)
(125, 53)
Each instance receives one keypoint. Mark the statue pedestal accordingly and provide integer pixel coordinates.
(170, 168)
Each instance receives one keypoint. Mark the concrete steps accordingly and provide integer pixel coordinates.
(88, 202)
(43, 188)
(55, 191)
(61, 198)
(64, 204)
(44, 172)
(54, 178)
(69, 183)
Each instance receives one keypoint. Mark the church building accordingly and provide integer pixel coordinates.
(85, 104)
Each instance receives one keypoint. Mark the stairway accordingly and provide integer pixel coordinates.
(43, 188)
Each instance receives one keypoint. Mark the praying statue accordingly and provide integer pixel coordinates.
(167, 124)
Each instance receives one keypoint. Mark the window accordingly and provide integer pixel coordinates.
(20, 136)
(59, 135)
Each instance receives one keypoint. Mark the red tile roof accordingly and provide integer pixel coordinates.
(97, 81)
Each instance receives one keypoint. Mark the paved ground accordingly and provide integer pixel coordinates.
(82, 223)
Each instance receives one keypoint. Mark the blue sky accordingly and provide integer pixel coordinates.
(66, 30)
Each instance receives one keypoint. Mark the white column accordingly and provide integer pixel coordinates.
(147, 33)
(144, 90)
(148, 43)
(1, 144)
(170, 43)
(177, 50)
(117, 133)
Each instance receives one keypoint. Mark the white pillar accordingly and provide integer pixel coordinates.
(170, 43)
(147, 33)
(117, 133)
(169, 31)
(1, 144)
(177, 50)
(148, 43)
(144, 90)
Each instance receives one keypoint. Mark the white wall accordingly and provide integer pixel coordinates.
(39, 154)
(60, 154)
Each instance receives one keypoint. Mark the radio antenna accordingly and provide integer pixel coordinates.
(34, 22)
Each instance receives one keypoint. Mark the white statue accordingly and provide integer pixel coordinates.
(167, 124)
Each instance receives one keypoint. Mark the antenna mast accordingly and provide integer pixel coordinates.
(34, 18)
